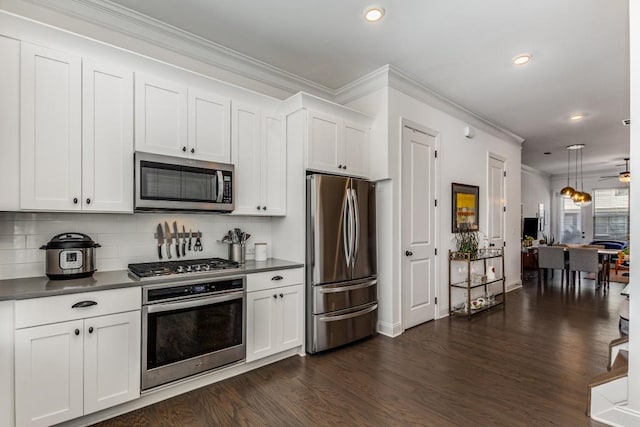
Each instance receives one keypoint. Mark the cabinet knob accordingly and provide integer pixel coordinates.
(408, 253)
(275, 296)
(339, 166)
(88, 201)
(281, 295)
(184, 149)
(344, 167)
(258, 207)
(264, 208)
(77, 331)
(90, 329)
(193, 150)
(75, 200)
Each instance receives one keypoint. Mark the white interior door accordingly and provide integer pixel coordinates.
(496, 206)
(418, 226)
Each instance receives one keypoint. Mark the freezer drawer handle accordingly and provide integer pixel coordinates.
(277, 278)
(84, 304)
(348, 316)
(348, 288)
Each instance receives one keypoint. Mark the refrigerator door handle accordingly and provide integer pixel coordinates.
(346, 229)
(356, 229)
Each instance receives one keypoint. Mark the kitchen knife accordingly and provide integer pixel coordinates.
(177, 237)
(167, 238)
(160, 237)
(190, 237)
(184, 241)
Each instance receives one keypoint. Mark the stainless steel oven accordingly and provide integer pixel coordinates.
(180, 184)
(191, 326)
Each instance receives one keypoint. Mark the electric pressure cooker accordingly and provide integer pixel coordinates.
(70, 256)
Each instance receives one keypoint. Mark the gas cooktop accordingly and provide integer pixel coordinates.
(190, 266)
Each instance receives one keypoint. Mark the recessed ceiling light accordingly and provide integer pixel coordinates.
(576, 117)
(522, 59)
(374, 14)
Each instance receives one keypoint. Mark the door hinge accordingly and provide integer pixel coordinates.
(436, 300)
(436, 201)
(504, 244)
(436, 251)
(504, 209)
(436, 153)
(504, 174)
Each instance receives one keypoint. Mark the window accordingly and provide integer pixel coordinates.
(570, 222)
(611, 214)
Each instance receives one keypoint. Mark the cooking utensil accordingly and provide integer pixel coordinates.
(70, 256)
(184, 241)
(160, 237)
(167, 238)
(177, 237)
(190, 237)
(197, 247)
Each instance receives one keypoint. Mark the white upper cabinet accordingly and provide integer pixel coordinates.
(107, 138)
(76, 141)
(209, 126)
(175, 120)
(259, 156)
(161, 116)
(50, 130)
(336, 145)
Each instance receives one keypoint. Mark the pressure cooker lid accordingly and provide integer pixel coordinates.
(70, 241)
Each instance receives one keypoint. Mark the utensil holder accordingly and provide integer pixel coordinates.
(237, 252)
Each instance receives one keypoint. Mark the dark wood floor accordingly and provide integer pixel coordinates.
(526, 365)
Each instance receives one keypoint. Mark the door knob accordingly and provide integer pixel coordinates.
(408, 253)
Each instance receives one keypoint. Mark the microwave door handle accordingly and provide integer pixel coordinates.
(346, 215)
(356, 229)
(220, 186)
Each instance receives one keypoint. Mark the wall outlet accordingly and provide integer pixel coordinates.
(251, 250)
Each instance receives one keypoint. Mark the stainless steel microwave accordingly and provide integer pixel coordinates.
(167, 183)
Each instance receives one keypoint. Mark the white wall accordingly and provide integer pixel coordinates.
(124, 238)
(634, 306)
(536, 189)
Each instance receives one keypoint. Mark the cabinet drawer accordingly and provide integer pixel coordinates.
(274, 279)
(42, 311)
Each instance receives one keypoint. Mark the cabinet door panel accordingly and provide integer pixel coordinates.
(209, 126)
(246, 143)
(111, 360)
(356, 149)
(291, 319)
(50, 126)
(261, 319)
(48, 374)
(107, 143)
(160, 116)
(323, 148)
(274, 167)
(10, 123)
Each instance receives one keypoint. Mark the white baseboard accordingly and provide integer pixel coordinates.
(389, 329)
(619, 416)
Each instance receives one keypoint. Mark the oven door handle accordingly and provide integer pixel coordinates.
(170, 306)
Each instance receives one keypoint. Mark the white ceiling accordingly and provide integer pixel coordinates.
(461, 49)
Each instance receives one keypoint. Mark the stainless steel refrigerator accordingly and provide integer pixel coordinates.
(341, 265)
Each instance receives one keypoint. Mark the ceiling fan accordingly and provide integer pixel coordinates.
(624, 176)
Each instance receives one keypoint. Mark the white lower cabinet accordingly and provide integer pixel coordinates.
(68, 369)
(275, 314)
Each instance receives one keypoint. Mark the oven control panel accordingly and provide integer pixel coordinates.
(168, 292)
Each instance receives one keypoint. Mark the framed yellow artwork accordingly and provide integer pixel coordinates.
(465, 207)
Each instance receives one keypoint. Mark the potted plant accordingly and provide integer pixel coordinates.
(467, 242)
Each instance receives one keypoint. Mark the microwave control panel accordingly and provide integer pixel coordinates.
(227, 188)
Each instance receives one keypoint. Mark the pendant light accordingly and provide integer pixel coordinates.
(568, 191)
(586, 199)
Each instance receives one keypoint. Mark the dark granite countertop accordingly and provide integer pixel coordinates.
(36, 287)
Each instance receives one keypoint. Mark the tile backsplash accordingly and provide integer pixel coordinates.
(124, 238)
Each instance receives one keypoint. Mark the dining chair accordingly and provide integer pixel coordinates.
(585, 260)
(552, 257)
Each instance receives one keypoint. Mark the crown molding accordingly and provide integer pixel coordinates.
(395, 78)
(118, 18)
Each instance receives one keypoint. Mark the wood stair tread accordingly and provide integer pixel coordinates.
(619, 341)
(609, 376)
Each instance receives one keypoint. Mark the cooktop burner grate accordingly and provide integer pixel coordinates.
(167, 268)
